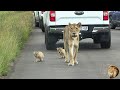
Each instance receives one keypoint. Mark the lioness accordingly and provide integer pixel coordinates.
(71, 42)
(113, 71)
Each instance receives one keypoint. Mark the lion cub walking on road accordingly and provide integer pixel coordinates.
(61, 51)
(71, 42)
(113, 71)
(38, 55)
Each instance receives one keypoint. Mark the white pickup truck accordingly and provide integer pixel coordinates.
(95, 25)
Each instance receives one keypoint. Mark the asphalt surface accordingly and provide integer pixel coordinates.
(93, 61)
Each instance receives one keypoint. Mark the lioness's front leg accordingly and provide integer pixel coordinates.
(65, 46)
(76, 47)
(66, 51)
(71, 55)
(66, 55)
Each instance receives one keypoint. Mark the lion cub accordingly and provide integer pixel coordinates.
(113, 71)
(61, 51)
(38, 55)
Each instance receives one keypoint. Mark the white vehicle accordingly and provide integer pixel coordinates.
(36, 15)
(95, 25)
(39, 19)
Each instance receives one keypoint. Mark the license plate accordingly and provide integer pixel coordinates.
(84, 28)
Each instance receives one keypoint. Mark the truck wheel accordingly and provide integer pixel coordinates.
(50, 41)
(106, 44)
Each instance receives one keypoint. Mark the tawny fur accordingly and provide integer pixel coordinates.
(61, 52)
(113, 71)
(39, 56)
(71, 43)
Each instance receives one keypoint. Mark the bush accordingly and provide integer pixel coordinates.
(15, 28)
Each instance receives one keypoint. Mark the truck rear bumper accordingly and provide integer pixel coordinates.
(92, 30)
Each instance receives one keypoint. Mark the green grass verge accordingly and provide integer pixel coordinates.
(15, 28)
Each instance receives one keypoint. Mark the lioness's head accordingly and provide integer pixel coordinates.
(74, 29)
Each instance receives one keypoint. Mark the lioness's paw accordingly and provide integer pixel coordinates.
(76, 62)
(70, 64)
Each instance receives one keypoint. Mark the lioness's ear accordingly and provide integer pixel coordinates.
(79, 24)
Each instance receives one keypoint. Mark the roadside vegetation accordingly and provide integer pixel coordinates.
(15, 28)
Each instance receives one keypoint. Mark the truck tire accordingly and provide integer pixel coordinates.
(50, 41)
(106, 44)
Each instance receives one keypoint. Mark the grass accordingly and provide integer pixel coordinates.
(15, 28)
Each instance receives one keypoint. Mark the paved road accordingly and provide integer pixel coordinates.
(93, 60)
